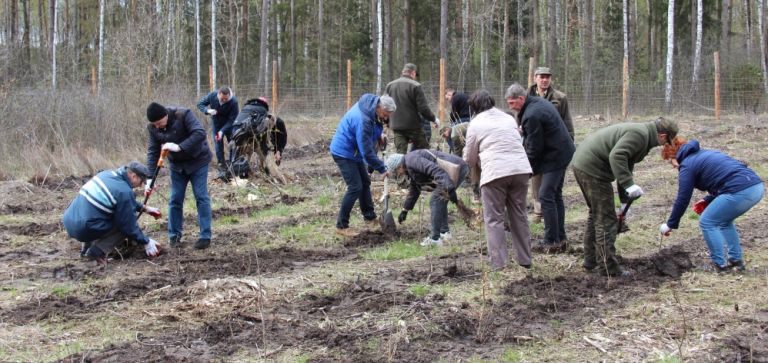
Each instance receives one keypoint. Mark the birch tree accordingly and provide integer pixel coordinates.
(263, 42)
(197, 48)
(763, 53)
(213, 44)
(697, 47)
(379, 45)
(670, 54)
(321, 49)
(520, 40)
(54, 36)
(503, 53)
(101, 46)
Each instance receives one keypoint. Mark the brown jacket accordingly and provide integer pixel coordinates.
(559, 100)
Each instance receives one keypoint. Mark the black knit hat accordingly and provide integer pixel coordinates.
(156, 111)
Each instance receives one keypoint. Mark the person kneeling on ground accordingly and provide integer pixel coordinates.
(255, 125)
(733, 189)
(423, 171)
(104, 213)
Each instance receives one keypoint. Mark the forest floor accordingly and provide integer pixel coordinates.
(278, 285)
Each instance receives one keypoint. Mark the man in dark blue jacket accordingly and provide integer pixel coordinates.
(104, 212)
(223, 108)
(352, 147)
(178, 131)
(733, 189)
(550, 148)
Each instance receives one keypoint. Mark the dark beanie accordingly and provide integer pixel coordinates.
(156, 111)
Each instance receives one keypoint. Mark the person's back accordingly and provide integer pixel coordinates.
(499, 145)
(90, 215)
(714, 171)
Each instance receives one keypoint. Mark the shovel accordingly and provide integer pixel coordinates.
(623, 216)
(386, 220)
(160, 162)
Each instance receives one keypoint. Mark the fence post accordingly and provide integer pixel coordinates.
(211, 86)
(349, 84)
(93, 80)
(441, 96)
(717, 86)
(274, 86)
(625, 89)
(530, 72)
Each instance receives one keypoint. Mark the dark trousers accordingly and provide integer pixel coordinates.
(552, 208)
(108, 242)
(218, 146)
(403, 137)
(602, 224)
(358, 187)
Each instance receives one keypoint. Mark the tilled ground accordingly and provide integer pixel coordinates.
(269, 290)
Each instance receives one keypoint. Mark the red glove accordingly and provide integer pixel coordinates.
(699, 206)
(154, 212)
(218, 136)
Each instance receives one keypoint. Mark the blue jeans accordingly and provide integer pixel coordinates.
(716, 222)
(358, 181)
(218, 146)
(179, 181)
(438, 207)
(552, 207)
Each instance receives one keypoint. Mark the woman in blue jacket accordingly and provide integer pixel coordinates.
(732, 189)
(352, 147)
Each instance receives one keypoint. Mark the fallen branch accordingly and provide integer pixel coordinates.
(595, 344)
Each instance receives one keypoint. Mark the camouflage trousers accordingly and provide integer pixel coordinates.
(403, 137)
(602, 224)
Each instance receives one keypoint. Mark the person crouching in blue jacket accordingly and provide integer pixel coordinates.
(352, 147)
(733, 189)
(104, 213)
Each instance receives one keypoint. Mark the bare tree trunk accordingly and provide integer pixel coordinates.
(625, 16)
(213, 43)
(293, 43)
(246, 12)
(763, 51)
(25, 39)
(464, 42)
(54, 33)
(748, 27)
(14, 21)
(407, 31)
(42, 22)
(197, 48)
(321, 50)
(388, 40)
(552, 34)
(504, 52)
(727, 22)
(235, 31)
(379, 45)
(697, 52)
(587, 51)
(536, 22)
(520, 41)
(168, 27)
(567, 42)
(651, 40)
(101, 47)
(483, 54)
(262, 81)
(443, 29)
(670, 55)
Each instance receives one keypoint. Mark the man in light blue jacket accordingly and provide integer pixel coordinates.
(352, 148)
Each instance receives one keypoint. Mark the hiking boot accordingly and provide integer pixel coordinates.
(96, 254)
(446, 236)
(202, 243)
(549, 247)
(372, 224)
(624, 228)
(589, 268)
(347, 232)
(535, 218)
(175, 241)
(428, 241)
(84, 249)
(737, 265)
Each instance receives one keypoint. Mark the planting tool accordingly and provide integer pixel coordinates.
(623, 215)
(160, 162)
(386, 220)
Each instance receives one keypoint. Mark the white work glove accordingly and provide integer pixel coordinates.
(211, 112)
(174, 148)
(147, 190)
(437, 123)
(664, 229)
(152, 248)
(634, 191)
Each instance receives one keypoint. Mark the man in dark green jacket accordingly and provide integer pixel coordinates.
(411, 107)
(606, 155)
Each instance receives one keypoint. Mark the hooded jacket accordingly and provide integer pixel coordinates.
(105, 202)
(547, 143)
(710, 171)
(460, 108)
(611, 153)
(183, 129)
(225, 113)
(357, 133)
(421, 166)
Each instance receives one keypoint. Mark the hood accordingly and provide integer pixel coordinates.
(460, 104)
(689, 148)
(367, 105)
(258, 102)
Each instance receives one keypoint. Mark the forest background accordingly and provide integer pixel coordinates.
(77, 74)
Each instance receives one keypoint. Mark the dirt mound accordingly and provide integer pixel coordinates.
(368, 239)
(32, 229)
(311, 150)
(56, 183)
(18, 197)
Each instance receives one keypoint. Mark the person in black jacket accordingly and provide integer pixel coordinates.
(223, 108)
(274, 138)
(424, 173)
(550, 148)
(178, 131)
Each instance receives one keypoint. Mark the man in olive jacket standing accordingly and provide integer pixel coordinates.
(411, 107)
(549, 148)
(542, 87)
(178, 131)
(606, 155)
